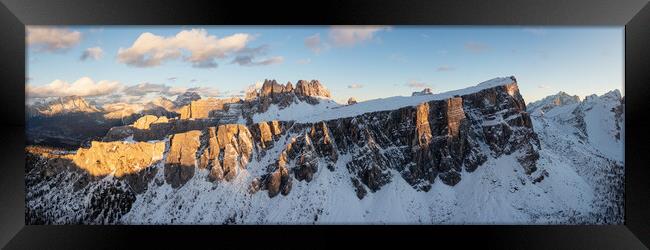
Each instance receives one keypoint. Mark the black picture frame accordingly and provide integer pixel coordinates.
(634, 15)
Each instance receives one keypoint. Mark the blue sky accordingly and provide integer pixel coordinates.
(360, 62)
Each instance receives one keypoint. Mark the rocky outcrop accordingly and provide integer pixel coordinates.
(425, 91)
(352, 100)
(118, 158)
(131, 162)
(204, 108)
(276, 182)
(159, 130)
(266, 133)
(312, 88)
(237, 143)
(145, 121)
(226, 149)
(273, 93)
(181, 158)
(271, 88)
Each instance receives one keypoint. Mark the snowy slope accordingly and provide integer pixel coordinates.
(507, 196)
(329, 110)
(587, 138)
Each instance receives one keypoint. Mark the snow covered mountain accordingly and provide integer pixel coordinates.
(470, 156)
(588, 138)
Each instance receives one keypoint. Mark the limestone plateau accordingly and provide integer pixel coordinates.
(474, 155)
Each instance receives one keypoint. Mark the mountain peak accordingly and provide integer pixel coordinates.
(556, 100)
(312, 88)
(64, 104)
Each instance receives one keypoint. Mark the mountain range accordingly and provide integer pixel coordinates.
(291, 155)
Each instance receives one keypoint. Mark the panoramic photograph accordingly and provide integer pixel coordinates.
(265, 125)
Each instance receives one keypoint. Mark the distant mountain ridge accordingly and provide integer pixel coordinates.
(62, 105)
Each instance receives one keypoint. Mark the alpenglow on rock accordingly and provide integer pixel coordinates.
(312, 88)
(434, 139)
(204, 108)
(181, 158)
(146, 121)
(419, 159)
(118, 158)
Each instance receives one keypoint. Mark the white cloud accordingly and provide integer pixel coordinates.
(94, 53)
(355, 86)
(249, 61)
(52, 39)
(346, 36)
(150, 50)
(314, 43)
(82, 87)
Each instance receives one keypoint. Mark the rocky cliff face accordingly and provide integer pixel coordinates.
(311, 88)
(205, 108)
(433, 140)
(456, 150)
(118, 158)
(146, 121)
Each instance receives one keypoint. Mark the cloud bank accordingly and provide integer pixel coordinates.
(194, 46)
(347, 36)
(113, 90)
(82, 87)
(48, 39)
